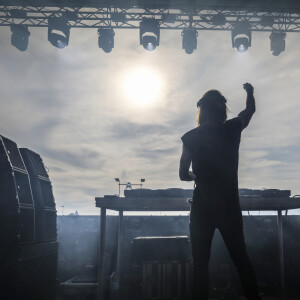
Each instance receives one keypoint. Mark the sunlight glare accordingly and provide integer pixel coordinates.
(142, 86)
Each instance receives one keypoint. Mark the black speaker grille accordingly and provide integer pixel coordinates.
(8, 193)
(34, 163)
(45, 225)
(47, 192)
(13, 153)
(27, 230)
(23, 188)
(17, 226)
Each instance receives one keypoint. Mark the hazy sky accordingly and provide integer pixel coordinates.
(76, 107)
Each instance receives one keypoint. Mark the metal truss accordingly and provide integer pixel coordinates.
(130, 18)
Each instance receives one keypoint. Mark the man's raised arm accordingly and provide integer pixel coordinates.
(248, 112)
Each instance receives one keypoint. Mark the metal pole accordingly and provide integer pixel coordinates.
(115, 277)
(101, 254)
(281, 257)
(120, 237)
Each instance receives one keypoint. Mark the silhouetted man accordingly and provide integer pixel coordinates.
(213, 149)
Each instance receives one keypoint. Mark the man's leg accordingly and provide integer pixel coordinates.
(232, 231)
(201, 231)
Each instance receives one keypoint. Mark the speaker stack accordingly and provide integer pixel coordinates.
(28, 242)
(45, 212)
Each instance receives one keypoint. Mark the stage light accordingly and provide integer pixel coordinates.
(143, 179)
(241, 44)
(106, 39)
(277, 42)
(20, 36)
(117, 179)
(189, 40)
(149, 34)
(241, 36)
(58, 31)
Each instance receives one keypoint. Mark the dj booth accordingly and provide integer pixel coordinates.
(139, 200)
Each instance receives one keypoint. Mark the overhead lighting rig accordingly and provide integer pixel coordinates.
(219, 20)
(20, 36)
(149, 21)
(277, 40)
(106, 39)
(59, 28)
(241, 36)
(267, 21)
(149, 34)
(189, 40)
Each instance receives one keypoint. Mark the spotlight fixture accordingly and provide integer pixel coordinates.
(189, 40)
(58, 31)
(241, 36)
(149, 34)
(20, 36)
(106, 39)
(277, 42)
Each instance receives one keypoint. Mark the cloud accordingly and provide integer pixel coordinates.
(69, 105)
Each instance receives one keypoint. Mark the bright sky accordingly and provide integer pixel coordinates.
(94, 116)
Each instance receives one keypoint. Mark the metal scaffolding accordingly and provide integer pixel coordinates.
(172, 19)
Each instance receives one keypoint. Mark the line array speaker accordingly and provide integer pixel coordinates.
(17, 213)
(28, 272)
(45, 212)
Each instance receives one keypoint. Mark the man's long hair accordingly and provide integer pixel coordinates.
(212, 108)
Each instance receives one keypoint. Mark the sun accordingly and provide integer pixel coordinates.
(143, 86)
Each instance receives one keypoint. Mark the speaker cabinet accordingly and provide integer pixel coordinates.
(17, 215)
(45, 213)
(28, 272)
(40, 182)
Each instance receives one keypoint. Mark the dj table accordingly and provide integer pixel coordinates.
(122, 204)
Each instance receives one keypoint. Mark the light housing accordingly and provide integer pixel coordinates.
(241, 36)
(277, 42)
(241, 44)
(58, 31)
(20, 36)
(149, 34)
(106, 39)
(189, 40)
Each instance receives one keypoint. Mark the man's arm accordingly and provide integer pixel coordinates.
(185, 163)
(247, 113)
